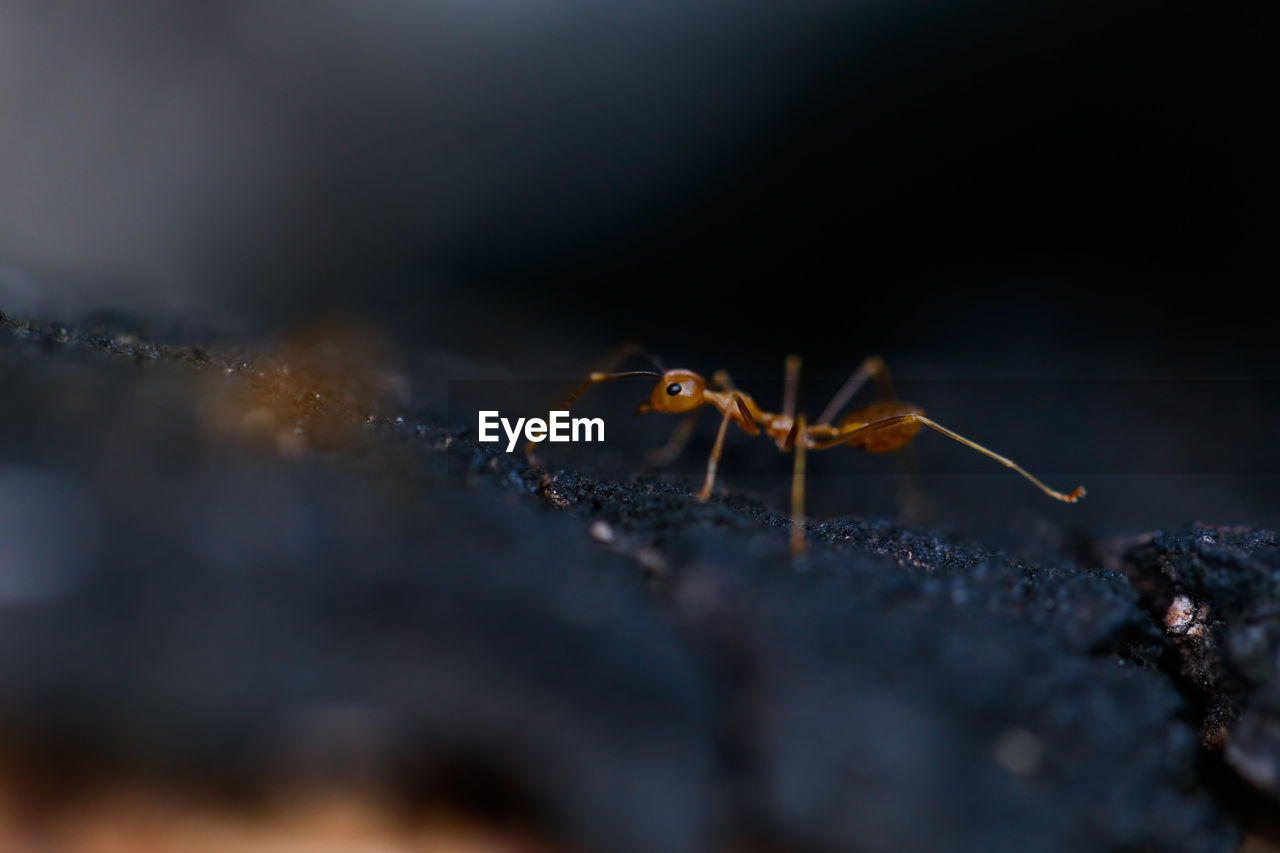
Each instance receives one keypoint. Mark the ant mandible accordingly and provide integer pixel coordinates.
(878, 428)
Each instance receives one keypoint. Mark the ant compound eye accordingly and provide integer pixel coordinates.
(673, 389)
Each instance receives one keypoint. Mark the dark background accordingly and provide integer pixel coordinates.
(978, 191)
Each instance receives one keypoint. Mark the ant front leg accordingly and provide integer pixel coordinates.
(602, 372)
(680, 436)
(593, 379)
(714, 462)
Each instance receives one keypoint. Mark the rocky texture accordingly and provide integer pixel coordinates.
(257, 568)
(1216, 590)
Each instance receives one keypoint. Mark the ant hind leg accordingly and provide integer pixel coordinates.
(862, 433)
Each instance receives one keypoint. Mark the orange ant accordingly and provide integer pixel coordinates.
(878, 428)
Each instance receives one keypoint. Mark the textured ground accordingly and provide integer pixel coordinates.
(236, 572)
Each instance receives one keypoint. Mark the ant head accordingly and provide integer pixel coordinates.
(676, 391)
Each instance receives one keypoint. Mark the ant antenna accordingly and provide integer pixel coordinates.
(592, 380)
(657, 362)
(605, 377)
(629, 348)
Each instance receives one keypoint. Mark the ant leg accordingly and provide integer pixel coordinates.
(714, 462)
(591, 380)
(790, 383)
(603, 365)
(873, 367)
(797, 495)
(913, 506)
(680, 436)
(723, 380)
(796, 443)
(863, 432)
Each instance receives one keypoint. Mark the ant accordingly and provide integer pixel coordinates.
(881, 427)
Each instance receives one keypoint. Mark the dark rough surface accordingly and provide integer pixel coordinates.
(1218, 590)
(210, 573)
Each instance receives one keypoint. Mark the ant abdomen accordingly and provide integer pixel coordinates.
(884, 439)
